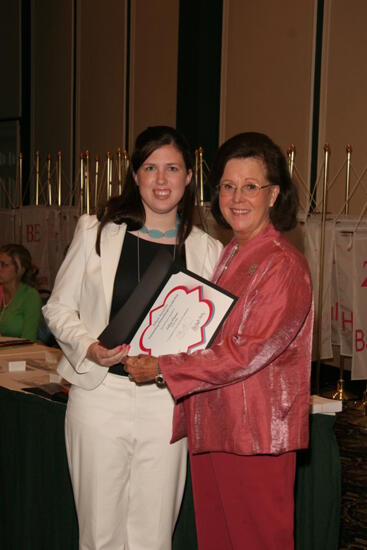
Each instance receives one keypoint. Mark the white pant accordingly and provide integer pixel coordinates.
(127, 479)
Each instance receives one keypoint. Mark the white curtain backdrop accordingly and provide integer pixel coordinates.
(359, 253)
(312, 231)
(45, 230)
(344, 279)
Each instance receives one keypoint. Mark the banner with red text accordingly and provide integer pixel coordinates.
(312, 232)
(342, 311)
(359, 360)
(35, 237)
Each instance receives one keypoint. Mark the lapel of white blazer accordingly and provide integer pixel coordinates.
(111, 244)
(195, 251)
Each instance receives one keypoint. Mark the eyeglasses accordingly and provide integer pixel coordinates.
(246, 190)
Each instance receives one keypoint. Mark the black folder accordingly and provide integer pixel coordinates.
(128, 319)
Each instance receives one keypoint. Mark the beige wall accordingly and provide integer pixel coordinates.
(153, 74)
(101, 75)
(267, 72)
(343, 113)
(52, 73)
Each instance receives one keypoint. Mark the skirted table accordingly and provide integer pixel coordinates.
(36, 502)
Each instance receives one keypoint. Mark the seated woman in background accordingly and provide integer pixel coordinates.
(20, 302)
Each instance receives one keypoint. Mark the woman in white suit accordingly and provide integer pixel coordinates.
(127, 479)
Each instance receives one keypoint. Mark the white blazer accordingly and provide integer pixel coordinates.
(79, 307)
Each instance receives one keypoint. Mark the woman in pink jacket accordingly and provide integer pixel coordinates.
(244, 403)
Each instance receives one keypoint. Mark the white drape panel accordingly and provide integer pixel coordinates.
(9, 230)
(45, 230)
(343, 311)
(36, 237)
(312, 232)
(359, 254)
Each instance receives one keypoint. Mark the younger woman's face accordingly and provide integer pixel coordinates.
(162, 180)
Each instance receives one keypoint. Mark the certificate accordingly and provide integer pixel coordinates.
(171, 310)
(185, 316)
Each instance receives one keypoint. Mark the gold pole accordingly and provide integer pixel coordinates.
(196, 176)
(126, 166)
(96, 183)
(20, 187)
(119, 170)
(49, 189)
(59, 171)
(20, 179)
(321, 273)
(111, 173)
(37, 176)
(81, 183)
(348, 149)
(201, 176)
(341, 394)
(291, 154)
(126, 163)
(108, 176)
(87, 181)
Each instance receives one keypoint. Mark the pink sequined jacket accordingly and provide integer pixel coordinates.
(249, 393)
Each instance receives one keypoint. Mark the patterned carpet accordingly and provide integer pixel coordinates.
(351, 434)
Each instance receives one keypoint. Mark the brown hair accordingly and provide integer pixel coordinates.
(283, 214)
(21, 258)
(128, 207)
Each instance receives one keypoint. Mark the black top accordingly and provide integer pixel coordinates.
(136, 255)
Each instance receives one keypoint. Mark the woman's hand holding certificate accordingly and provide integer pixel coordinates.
(142, 368)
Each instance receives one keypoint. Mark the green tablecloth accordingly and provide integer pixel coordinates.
(36, 502)
(318, 488)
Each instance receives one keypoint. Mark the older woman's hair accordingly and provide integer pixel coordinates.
(21, 259)
(128, 207)
(283, 214)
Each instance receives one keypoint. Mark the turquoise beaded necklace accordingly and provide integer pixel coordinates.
(157, 234)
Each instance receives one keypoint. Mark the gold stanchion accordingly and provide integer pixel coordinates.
(59, 172)
(348, 149)
(341, 393)
(87, 181)
(81, 183)
(20, 188)
(119, 170)
(196, 177)
(291, 154)
(321, 272)
(49, 187)
(126, 163)
(109, 176)
(201, 176)
(20, 179)
(96, 183)
(37, 176)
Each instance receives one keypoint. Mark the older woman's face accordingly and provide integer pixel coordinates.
(246, 214)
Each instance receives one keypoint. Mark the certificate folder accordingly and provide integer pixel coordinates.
(124, 324)
(160, 282)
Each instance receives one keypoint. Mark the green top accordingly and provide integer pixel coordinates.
(22, 316)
